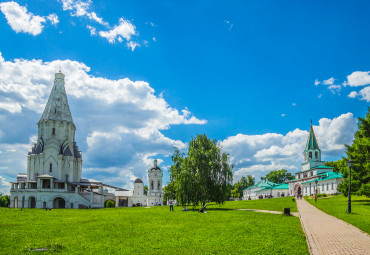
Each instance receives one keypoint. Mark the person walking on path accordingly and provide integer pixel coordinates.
(171, 205)
(326, 234)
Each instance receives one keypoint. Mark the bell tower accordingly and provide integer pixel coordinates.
(312, 152)
(155, 193)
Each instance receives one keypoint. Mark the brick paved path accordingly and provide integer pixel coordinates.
(326, 234)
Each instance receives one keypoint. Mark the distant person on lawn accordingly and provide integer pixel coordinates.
(171, 205)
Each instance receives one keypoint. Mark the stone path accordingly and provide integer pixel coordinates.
(326, 234)
(265, 211)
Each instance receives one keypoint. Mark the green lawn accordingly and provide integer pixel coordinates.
(151, 231)
(272, 204)
(337, 206)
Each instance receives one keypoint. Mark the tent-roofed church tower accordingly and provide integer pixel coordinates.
(312, 152)
(55, 152)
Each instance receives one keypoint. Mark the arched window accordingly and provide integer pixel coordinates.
(152, 185)
(159, 185)
(310, 155)
(51, 167)
(316, 155)
(53, 131)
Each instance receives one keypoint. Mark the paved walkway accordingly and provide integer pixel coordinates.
(326, 234)
(265, 211)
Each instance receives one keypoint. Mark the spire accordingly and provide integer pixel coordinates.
(57, 107)
(311, 141)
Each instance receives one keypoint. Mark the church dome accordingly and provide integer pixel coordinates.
(155, 166)
(138, 180)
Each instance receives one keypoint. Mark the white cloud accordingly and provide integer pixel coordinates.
(364, 94)
(124, 29)
(20, 20)
(92, 29)
(12, 107)
(328, 81)
(335, 88)
(358, 78)
(317, 82)
(80, 8)
(132, 45)
(353, 94)
(294, 104)
(283, 115)
(4, 186)
(259, 154)
(319, 96)
(154, 39)
(120, 132)
(53, 18)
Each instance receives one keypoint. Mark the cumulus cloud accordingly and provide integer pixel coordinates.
(259, 154)
(132, 45)
(358, 78)
(4, 186)
(120, 131)
(53, 18)
(124, 29)
(353, 94)
(328, 81)
(317, 82)
(21, 20)
(92, 29)
(80, 8)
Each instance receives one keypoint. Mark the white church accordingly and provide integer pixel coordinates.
(314, 177)
(126, 198)
(54, 166)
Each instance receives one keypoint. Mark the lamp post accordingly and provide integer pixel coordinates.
(350, 164)
(316, 191)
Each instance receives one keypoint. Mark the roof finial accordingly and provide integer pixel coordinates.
(155, 162)
(60, 67)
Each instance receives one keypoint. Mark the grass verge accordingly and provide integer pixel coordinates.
(152, 230)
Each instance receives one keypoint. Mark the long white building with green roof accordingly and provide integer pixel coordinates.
(265, 188)
(314, 175)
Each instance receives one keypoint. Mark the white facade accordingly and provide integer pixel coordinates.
(314, 175)
(126, 198)
(54, 164)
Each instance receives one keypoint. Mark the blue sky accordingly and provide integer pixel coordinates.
(143, 77)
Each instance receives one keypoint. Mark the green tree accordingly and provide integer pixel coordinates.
(245, 182)
(338, 165)
(4, 200)
(169, 192)
(146, 190)
(204, 174)
(359, 152)
(110, 204)
(279, 176)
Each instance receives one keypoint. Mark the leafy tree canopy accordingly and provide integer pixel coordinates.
(245, 182)
(203, 174)
(359, 152)
(4, 200)
(279, 176)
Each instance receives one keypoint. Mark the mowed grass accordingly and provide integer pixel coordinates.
(152, 230)
(271, 204)
(337, 206)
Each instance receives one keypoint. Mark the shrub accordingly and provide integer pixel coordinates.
(321, 195)
(110, 204)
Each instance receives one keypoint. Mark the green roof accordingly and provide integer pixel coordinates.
(327, 176)
(315, 167)
(262, 184)
(277, 186)
(311, 141)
